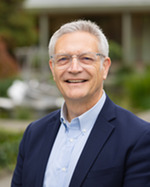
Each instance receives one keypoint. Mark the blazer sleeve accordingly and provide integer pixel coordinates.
(17, 176)
(138, 163)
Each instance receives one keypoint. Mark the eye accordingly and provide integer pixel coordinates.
(62, 58)
(86, 58)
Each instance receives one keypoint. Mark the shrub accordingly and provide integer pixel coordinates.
(115, 51)
(4, 85)
(23, 113)
(138, 89)
(9, 142)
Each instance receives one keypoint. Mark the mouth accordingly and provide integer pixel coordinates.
(75, 81)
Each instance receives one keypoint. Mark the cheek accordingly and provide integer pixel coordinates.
(55, 73)
(58, 77)
(99, 77)
(98, 73)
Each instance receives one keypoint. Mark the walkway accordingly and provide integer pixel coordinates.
(14, 125)
(5, 181)
(145, 115)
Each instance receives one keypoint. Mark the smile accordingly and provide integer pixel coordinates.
(75, 81)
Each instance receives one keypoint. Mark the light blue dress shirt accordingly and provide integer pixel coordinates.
(68, 145)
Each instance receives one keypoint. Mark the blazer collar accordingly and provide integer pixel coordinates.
(101, 131)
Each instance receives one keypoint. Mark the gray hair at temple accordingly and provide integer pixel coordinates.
(80, 25)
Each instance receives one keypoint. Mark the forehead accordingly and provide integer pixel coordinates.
(77, 42)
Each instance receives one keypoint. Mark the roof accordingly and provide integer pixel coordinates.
(86, 4)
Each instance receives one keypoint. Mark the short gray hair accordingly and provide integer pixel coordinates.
(80, 25)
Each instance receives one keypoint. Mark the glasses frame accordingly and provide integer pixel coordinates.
(70, 58)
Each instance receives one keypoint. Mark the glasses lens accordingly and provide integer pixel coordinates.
(61, 60)
(87, 58)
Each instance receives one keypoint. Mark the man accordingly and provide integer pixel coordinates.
(90, 142)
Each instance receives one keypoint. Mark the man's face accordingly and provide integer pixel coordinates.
(76, 82)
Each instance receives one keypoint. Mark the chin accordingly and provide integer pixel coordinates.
(76, 97)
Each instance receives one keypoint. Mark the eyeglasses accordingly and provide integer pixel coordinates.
(84, 59)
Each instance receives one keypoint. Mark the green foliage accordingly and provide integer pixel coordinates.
(138, 89)
(16, 26)
(4, 85)
(133, 88)
(9, 142)
(23, 113)
(123, 73)
(115, 51)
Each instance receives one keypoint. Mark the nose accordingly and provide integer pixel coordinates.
(75, 66)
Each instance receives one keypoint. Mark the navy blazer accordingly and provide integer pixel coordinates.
(116, 154)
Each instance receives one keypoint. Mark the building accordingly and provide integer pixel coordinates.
(124, 21)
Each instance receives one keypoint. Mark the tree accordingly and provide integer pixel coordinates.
(16, 25)
(17, 28)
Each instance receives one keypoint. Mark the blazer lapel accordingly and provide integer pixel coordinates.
(101, 131)
(46, 146)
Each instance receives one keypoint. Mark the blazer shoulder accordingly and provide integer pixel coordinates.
(49, 118)
(128, 116)
(42, 125)
(130, 125)
(37, 130)
(123, 117)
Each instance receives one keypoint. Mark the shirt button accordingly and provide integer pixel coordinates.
(71, 139)
(64, 169)
(84, 130)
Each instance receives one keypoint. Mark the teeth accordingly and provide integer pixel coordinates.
(75, 81)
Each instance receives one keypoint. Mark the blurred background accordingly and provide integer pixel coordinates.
(27, 90)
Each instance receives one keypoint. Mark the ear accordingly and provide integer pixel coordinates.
(106, 67)
(52, 68)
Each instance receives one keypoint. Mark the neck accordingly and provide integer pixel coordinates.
(77, 107)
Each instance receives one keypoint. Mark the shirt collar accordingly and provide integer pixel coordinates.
(87, 119)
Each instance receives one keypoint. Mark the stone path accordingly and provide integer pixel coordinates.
(5, 181)
(14, 125)
(145, 115)
(21, 125)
